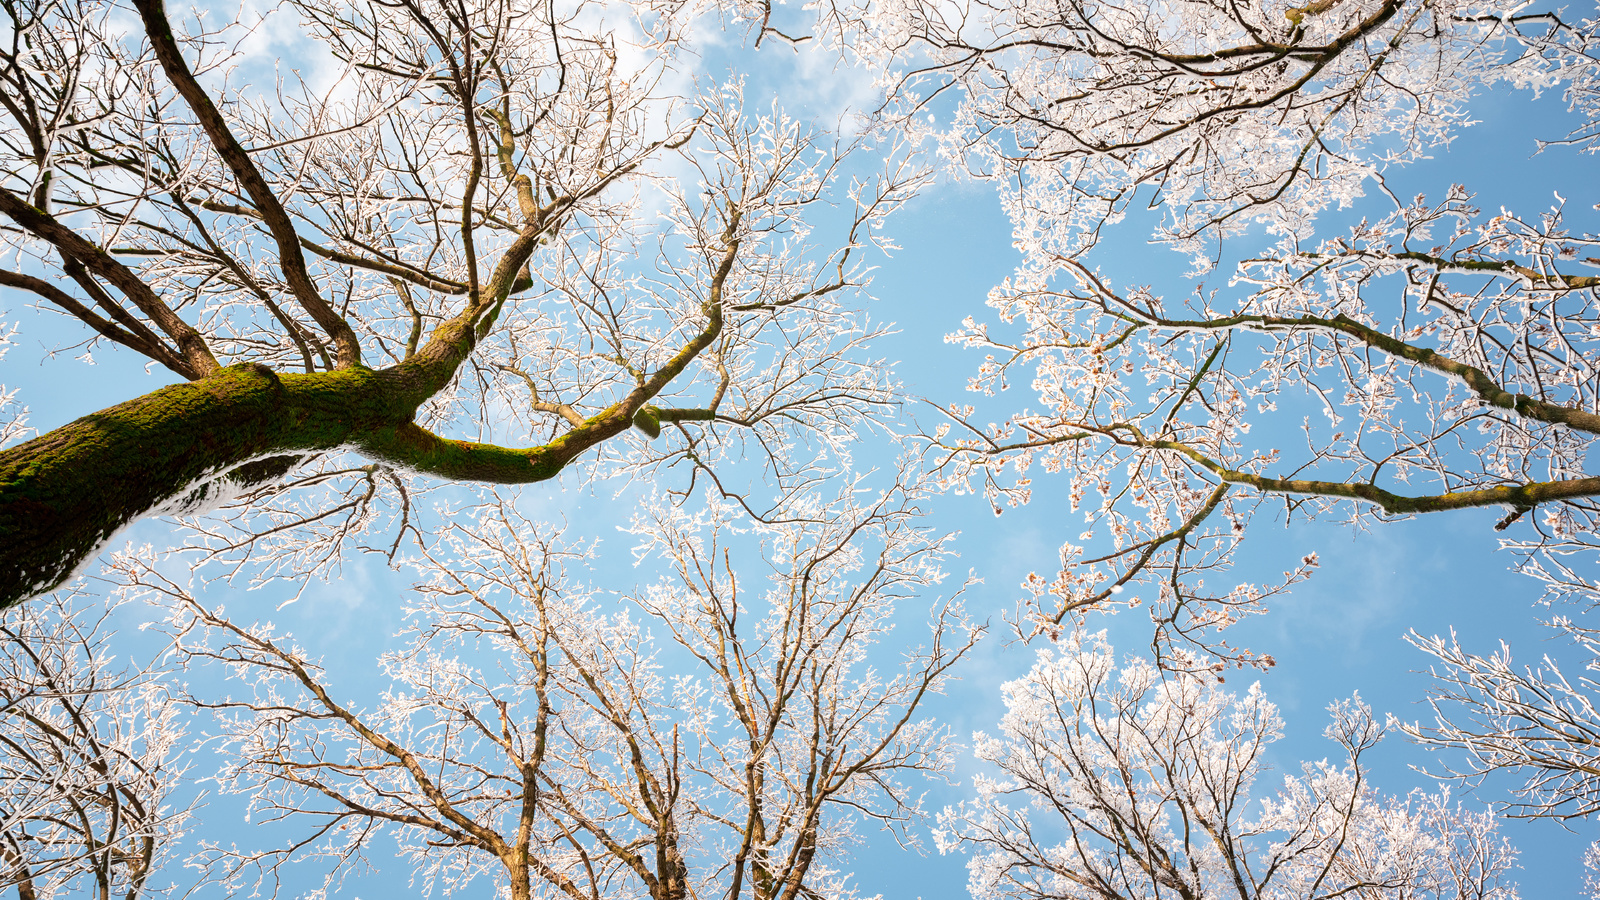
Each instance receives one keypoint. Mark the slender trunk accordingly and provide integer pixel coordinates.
(19, 871)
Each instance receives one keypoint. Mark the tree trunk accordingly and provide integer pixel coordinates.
(66, 494)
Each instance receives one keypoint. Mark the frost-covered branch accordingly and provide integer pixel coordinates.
(530, 734)
(91, 755)
(1128, 782)
(1532, 722)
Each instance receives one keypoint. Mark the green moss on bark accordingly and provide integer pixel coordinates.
(65, 493)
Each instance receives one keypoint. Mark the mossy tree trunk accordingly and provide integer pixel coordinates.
(65, 494)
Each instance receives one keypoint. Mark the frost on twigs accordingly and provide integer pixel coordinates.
(13, 415)
(299, 530)
(91, 757)
(1436, 359)
(1534, 722)
(473, 245)
(1123, 781)
(531, 734)
(1223, 116)
(1430, 358)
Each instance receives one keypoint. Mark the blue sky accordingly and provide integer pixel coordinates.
(1339, 633)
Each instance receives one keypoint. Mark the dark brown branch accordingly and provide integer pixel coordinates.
(383, 267)
(391, 268)
(75, 248)
(104, 327)
(290, 259)
(1476, 379)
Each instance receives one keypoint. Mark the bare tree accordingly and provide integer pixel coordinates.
(504, 206)
(90, 756)
(1534, 722)
(1223, 114)
(1127, 782)
(1432, 358)
(533, 737)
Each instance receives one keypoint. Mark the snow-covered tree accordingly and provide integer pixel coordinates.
(1129, 782)
(534, 736)
(1432, 357)
(470, 243)
(92, 751)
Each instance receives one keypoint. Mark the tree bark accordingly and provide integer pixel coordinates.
(67, 493)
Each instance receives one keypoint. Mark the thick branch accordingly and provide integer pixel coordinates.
(76, 248)
(65, 494)
(290, 259)
(1475, 378)
(649, 418)
(1518, 496)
